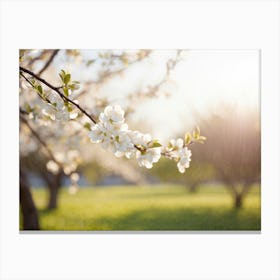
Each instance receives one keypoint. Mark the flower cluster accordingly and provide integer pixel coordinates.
(112, 131)
(57, 109)
(177, 150)
(69, 162)
(54, 106)
(74, 177)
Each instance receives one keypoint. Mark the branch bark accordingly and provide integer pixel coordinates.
(48, 63)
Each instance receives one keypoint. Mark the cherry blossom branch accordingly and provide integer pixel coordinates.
(153, 89)
(170, 65)
(56, 89)
(32, 85)
(111, 74)
(112, 131)
(108, 74)
(60, 94)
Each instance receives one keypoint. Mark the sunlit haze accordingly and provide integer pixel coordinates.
(200, 84)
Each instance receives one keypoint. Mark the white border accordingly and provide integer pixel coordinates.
(158, 24)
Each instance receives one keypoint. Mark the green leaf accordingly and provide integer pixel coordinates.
(170, 146)
(196, 133)
(201, 139)
(21, 55)
(61, 77)
(28, 108)
(188, 138)
(73, 86)
(154, 144)
(87, 125)
(65, 90)
(67, 78)
(40, 89)
(68, 106)
(89, 62)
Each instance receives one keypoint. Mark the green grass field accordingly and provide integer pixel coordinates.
(149, 208)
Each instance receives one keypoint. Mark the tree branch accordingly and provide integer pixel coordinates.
(39, 139)
(57, 91)
(111, 74)
(32, 61)
(53, 55)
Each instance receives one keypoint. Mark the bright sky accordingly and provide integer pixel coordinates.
(200, 84)
(205, 80)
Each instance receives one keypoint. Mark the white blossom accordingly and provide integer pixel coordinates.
(148, 157)
(56, 100)
(184, 159)
(96, 134)
(123, 146)
(73, 114)
(112, 131)
(74, 177)
(112, 118)
(175, 145)
(140, 139)
(52, 167)
(114, 114)
(62, 115)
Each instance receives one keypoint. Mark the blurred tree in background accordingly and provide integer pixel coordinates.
(234, 149)
(231, 155)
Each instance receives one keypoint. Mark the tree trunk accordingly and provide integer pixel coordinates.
(192, 188)
(28, 208)
(54, 187)
(238, 200)
(53, 193)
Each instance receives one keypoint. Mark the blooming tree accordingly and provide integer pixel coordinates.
(110, 129)
(43, 104)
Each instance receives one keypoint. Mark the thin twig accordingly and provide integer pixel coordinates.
(27, 80)
(32, 61)
(37, 136)
(111, 74)
(55, 52)
(44, 98)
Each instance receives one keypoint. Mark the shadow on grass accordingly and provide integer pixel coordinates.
(184, 219)
(164, 219)
(47, 211)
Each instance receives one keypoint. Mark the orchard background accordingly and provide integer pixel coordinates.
(139, 140)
